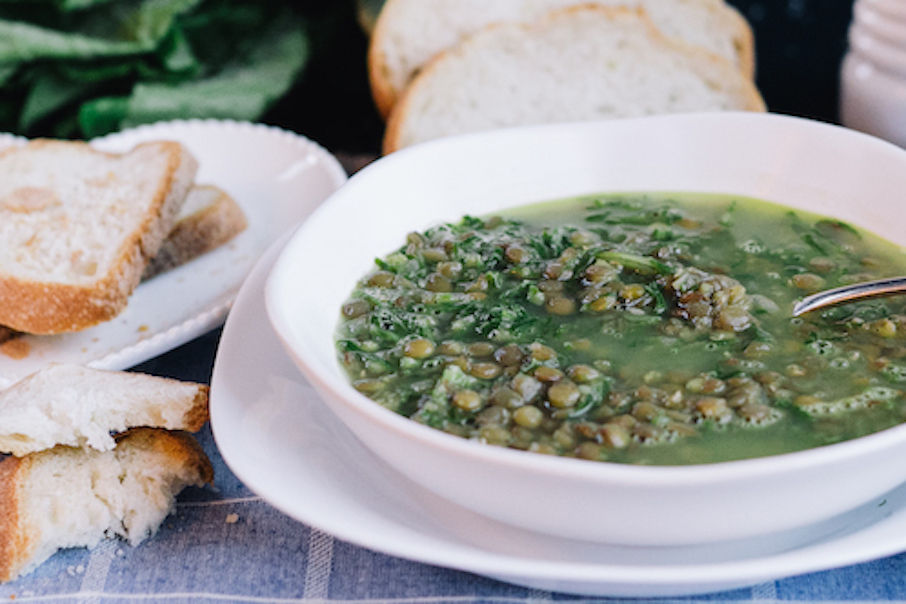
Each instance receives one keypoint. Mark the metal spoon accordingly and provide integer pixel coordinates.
(850, 293)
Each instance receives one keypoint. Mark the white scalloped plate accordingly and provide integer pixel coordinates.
(276, 176)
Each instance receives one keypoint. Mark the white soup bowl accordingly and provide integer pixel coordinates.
(801, 163)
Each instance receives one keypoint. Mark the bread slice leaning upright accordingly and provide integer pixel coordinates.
(71, 497)
(578, 64)
(209, 218)
(77, 227)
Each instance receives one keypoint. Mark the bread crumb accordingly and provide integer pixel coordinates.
(75, 570)
(232, 518)
(16, 348)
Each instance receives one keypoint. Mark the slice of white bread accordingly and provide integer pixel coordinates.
(409, 33)
(577, 64)
(70, 497)
(77, 227)
(208, 219)
(68, 404)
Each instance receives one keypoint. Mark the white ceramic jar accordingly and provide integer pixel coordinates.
(873, 73)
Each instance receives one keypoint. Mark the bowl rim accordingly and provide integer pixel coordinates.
(329, 381)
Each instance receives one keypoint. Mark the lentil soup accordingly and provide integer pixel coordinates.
(633, 328)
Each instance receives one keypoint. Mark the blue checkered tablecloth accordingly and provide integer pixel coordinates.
(226, 544)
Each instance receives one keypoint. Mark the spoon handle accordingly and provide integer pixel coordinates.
(850, 293)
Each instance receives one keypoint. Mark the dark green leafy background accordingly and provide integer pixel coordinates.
(84, 68)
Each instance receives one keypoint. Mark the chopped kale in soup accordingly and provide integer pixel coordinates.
(647, 329)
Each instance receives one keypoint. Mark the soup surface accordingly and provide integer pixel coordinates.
(636, 328)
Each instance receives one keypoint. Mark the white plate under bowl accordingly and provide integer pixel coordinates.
(285, 444)
(801, 163)
(276, 176)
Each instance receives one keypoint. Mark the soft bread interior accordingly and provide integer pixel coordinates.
(62, 205)
(68, 404)
(69, 497)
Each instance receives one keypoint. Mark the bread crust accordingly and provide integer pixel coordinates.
(52, 308)
(383, 92)
(16, 544)
(198, 233)
(395, 134)
(199, 413)
(39, 307)
(745, 41)
(179, 446)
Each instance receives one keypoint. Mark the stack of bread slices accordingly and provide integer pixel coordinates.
(93, 454)
(79, 228)
(89, 454)
(444, 67)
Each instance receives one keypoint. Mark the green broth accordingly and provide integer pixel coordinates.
(646, 329)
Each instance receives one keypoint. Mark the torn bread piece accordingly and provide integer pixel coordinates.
(209, 218)
(68, 404)
(519, 74)
(78, 226)
(409, 33)
(70, 497)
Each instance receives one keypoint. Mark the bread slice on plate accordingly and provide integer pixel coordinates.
(71, 497)
(578, 64)
(409, 33)
(209, 218)
(77, 227)
(68, 404)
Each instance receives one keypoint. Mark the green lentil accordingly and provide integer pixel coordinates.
(528, 417)
(637, 328)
